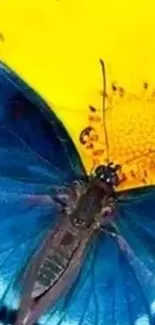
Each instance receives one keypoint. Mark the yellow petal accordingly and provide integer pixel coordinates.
(55, 47)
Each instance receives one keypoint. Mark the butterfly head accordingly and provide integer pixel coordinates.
(108, 173)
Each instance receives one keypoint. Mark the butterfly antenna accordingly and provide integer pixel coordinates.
(104, 109)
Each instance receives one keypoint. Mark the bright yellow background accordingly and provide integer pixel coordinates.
(54, 45)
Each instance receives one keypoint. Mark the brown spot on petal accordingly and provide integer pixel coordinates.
(113, 86)
(92, 108)
(91, 118)
(145, 85)
(84, 135)
(143, 180)
(121, 91)
(90, 146)
(98, 152)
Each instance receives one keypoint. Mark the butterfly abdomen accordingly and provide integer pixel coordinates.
(54, 265)
(58, 256)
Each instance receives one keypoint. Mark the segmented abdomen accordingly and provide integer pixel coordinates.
(54, 264)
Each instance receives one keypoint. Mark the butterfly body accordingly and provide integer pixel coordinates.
(58, 261)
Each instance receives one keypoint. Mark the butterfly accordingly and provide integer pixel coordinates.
(38, 158)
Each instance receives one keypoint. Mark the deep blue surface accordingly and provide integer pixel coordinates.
(26, 114)
(36, 156)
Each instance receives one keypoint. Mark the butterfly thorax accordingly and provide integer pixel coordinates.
(90, 203)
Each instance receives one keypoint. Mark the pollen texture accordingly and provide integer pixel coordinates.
(130, 127)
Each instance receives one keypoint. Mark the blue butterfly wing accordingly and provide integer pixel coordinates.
(136, 223)
(33, 165)
(27, 211)
(26, 114)
(116, 286)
